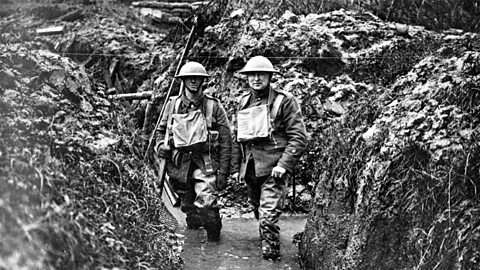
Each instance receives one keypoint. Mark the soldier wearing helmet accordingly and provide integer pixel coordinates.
(271, 138)
(194, 137)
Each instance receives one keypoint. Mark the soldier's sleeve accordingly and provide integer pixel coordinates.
(161, 129)
(297, 138)
(236, 156)
(224, 139)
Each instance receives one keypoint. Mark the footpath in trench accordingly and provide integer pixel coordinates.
(239, 245)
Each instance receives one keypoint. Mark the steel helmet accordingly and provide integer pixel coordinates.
(192, 69)
(258, 64)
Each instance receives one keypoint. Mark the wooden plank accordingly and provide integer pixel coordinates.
(180, 11)
(133, 96)
(168, 18)
(162, 5)
(198, 4)
(54, 30)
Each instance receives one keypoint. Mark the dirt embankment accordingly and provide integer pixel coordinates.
(75, 192)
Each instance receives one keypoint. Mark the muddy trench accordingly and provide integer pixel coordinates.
(239, 246)
(390, 179)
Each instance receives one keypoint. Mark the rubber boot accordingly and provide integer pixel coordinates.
(194, 220)
(271, 246)
(270, 251)
(213, 224)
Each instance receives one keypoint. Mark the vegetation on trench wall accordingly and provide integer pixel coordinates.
(417, 201)
(385, 67)
(336, 160)
(65, 207)
(440, 203)
(432, 14)
(336, 149)
(74, 193)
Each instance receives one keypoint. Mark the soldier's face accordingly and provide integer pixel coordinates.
(193, 83)
(258, 81)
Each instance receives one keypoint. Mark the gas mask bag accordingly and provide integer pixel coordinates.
(189, 129)
(253, 123)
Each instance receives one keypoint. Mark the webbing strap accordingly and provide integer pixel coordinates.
(209, 112)
(276, 106)
(207, 160)
(174, 105)
(244, 100)
(177, 104)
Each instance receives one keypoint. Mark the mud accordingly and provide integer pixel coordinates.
(239, 246)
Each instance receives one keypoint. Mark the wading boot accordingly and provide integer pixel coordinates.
(194, 220)
(270, 251)
(213, 224)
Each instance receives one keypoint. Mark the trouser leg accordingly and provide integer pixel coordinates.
(272, 199)
(206, 202)
(267, 196)
(194, 218)
(253, 187)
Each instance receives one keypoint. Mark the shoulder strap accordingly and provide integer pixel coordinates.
(209, 111)
(174, 105)
(276, 106)
(177, 100)
(243, 100)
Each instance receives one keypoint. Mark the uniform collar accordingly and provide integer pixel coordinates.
(260, 95)
(267, 94)
(250, 96)
(192, 103)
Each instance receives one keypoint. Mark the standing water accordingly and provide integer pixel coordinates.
(239, 246)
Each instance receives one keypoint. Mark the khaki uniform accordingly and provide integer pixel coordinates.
(254, 160)
(193, 171)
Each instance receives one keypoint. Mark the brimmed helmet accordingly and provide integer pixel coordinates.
(192, 69)
(258, 64)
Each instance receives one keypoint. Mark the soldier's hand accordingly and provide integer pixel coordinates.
(234, 176)
(278, 172)
(163, 151)
(221, 181)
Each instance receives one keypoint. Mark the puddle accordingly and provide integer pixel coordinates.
(239, 246)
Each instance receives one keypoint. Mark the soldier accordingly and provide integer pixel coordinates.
(271, 138)
(194, 137)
